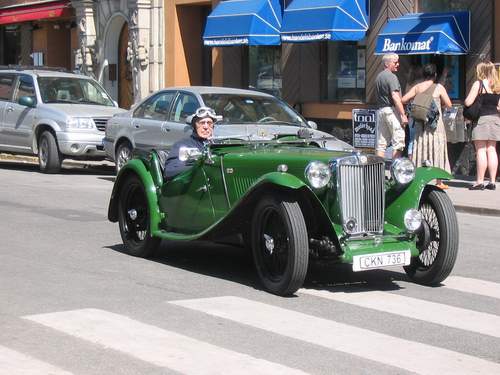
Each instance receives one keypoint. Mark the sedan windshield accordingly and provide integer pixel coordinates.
(247, 109)
(72, 90)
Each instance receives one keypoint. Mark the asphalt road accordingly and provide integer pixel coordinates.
(72, 302)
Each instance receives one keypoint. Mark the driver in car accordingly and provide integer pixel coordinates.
(202, 122)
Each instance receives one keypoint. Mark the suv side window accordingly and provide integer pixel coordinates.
(184, 106)
(6, 86)
(156, 108)
(25, 87)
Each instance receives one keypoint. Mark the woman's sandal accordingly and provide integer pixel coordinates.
(476, 187)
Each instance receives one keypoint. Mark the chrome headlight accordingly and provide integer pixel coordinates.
(403, 170)
(83, 123)
(318, 174)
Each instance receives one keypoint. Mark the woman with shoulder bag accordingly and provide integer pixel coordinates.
(487, 131)
(430, 141)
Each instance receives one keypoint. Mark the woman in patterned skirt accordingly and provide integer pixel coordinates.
(430, 143)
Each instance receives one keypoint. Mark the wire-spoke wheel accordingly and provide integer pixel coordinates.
(134, 219)
(437, 240)
(123, 155)
(280, 245)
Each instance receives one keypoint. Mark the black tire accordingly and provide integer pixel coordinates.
(280, 245)
(123, 155)
(134, 219)
(437, 241)
(49, 157)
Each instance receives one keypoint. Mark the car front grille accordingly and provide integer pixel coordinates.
(101, 123)
(361, 187)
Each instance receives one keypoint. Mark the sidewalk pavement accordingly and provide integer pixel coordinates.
(479, 202)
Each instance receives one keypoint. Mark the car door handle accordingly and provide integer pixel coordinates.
(137, 126)
(10, 109)
(203, 189)
(165, 128)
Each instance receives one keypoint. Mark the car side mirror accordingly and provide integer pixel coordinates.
(189, 154)
(27, 101)
(312, 125)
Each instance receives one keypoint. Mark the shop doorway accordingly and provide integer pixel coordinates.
(11, 45)
(125, 84)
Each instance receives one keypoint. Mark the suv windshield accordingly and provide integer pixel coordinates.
(239, 109)
(72, 90)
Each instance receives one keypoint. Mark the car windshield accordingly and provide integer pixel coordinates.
(250, 109)
(73, 90)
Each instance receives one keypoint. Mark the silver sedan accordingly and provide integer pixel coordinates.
(160, 120)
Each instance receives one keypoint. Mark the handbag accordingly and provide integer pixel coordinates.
(424, 108)
(472, 112)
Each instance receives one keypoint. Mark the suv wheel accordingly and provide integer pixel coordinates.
(49, 156)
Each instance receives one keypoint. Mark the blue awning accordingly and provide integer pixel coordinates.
(306, 20)
(421, 33)
(248, 22)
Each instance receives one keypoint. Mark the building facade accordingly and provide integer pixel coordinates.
(136, 47)
(325, 80)
(119, 43)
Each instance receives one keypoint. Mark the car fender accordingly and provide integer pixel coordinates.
(411, 195)
(137, 167)
(281, 179)
(41, 125)
(282, 184)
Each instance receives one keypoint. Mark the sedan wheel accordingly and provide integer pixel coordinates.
(123, 155)
(437, 240)
(134, 219)
(280, 245)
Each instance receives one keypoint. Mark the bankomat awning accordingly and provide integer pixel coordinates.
(424, 33)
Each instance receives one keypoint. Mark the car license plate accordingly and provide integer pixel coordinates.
(379, 260)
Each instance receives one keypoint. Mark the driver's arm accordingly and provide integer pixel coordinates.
(173, 166)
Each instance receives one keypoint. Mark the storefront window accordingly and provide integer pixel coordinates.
(11, 44)
(346, 71)
(449, 73)
(264, 69)
(442, 5)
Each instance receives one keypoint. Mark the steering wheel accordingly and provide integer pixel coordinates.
(266, 119)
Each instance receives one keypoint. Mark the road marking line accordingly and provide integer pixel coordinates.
(450, 316)
(474, 286)
(15, 363)
(382, 348)
(155, 345)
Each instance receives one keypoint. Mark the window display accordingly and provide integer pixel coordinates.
(264, 71)
(442, 5)
(346, 73)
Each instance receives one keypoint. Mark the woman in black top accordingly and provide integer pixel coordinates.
(487, 131)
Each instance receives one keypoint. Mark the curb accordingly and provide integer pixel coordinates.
(477, 210)
(26, 159)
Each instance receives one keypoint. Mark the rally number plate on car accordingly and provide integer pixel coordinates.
(378, 260)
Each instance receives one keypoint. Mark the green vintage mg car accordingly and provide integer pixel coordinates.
(291, 201)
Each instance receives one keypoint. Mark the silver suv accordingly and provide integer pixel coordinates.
(53, 114)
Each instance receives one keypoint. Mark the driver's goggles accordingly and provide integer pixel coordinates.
(205, 112)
